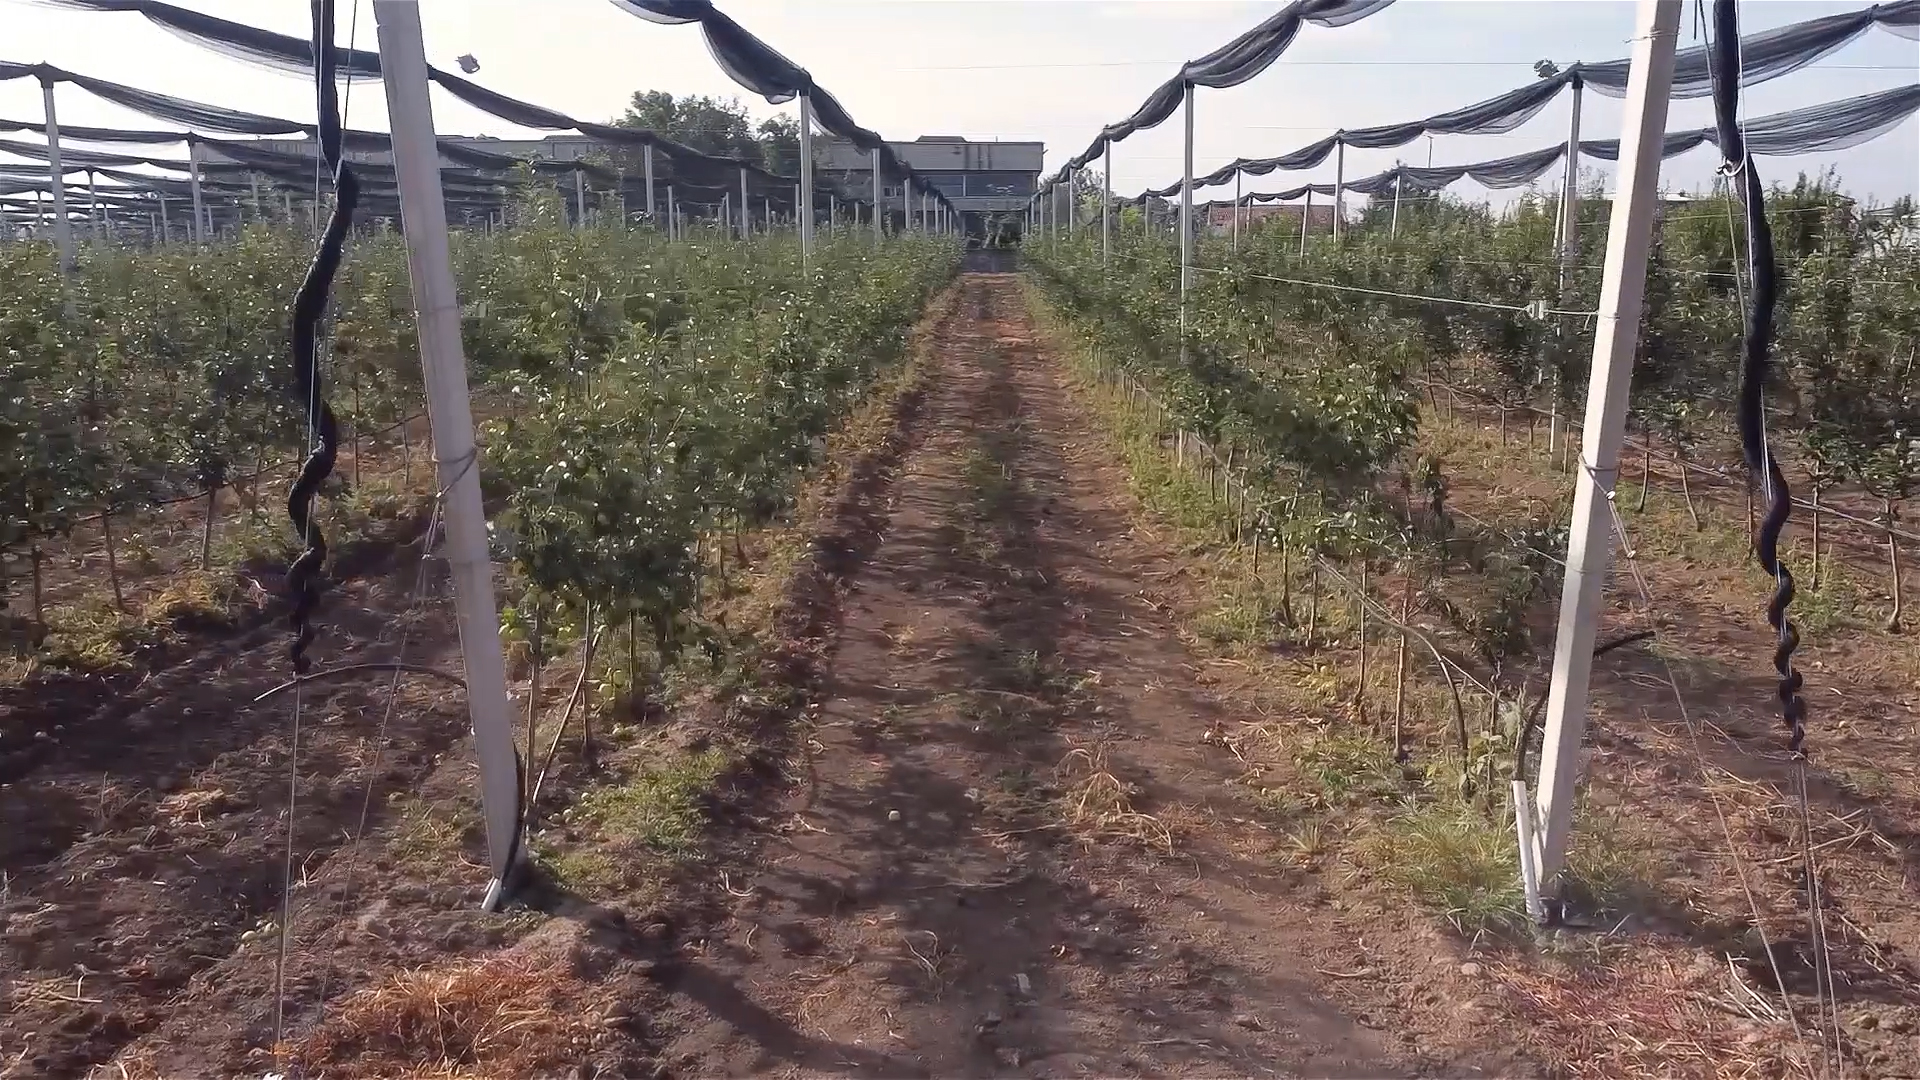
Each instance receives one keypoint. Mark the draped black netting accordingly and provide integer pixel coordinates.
(293, 54)
(1829, 126)
(1765, 55)
(1230, 65)
(762, 69)
(98, 134)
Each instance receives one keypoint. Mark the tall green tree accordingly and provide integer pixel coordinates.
(717, 126)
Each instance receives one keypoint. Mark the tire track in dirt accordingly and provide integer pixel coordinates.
(995, 867)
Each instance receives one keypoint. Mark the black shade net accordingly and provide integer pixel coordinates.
(761, 68)
(1230, 65)
(1765, 55)
(1830, 126)
(289, 53)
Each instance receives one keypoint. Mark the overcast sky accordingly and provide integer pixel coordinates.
(1051, 70)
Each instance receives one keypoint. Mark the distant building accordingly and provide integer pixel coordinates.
(981, 179)
(1220, 218)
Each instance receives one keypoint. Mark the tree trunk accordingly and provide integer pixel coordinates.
(1893, 561)
(633, 661)
(1646, 468)
(206, 527)
(1400, 669)
(356, 428)
(1813, 575)
(1313, 599)
(539, 651)
(1686, 488)
(1360, 692)
(1286, 580)
(586, 707)
(39, 597)
(113, 561)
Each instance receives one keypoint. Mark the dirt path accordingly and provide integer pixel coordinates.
(1013, 855)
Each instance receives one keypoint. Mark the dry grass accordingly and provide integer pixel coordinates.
(1096, 803)
(1656, 1010)
(508, 1016)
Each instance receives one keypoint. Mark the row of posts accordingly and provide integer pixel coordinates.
(932, 216)
(1543, 816)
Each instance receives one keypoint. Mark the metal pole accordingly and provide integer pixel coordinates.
(746, 218)
(673, 222)
(806, 180)
(879, 204)
(93, 208)
(166, 226)
(579, 199)
(286, 201)
(62, 229)
(416, 161)
(1236, 213)
(1306, 215)
(1569, 244)
(646, 165)
(193, 176)
(1106, 204)
(1339, 188)
(1589, 550)
(1186, 214)
(1399, 181)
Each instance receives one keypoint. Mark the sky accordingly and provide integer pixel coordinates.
(1047, 70)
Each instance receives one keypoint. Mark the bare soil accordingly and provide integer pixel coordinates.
(1013, 854)
(981, 820)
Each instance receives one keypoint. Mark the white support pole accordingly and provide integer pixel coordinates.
(805, 204)
(1236, 213)
(416, 162)
(906, 202)
(1106, 205)
(879, 204)
(1569, 246)
(1399, 181)
(646, 166)
(193, 177)
(1306, 215)
(746, 210)
(253, 180)
(93, 208)
(166, 226)
(1186, 213)
(673, 222)
(62, 228)
(286, 202)
(579, 199)
(1339, 189)
(1590, 537)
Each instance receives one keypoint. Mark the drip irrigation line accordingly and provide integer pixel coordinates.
(1649, 613)
(397, 668)
(1489, 305)
(1628, 443)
